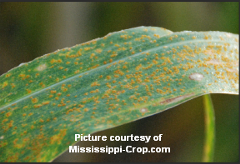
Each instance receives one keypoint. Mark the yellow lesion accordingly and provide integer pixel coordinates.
(5, 83)
(34, 100)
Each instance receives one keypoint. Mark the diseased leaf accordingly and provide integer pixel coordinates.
(107, 82)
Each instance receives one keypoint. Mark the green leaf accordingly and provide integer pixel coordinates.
(107, 82)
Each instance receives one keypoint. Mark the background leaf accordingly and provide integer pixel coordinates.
(107, 82)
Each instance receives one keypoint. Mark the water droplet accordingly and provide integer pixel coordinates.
(41, 67)
(196, 76)
(143, 110)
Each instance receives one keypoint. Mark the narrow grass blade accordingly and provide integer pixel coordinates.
(209, 129)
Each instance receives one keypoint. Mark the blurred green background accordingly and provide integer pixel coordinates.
(30, 29)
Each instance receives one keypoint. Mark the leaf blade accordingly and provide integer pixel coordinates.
(146, 72)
